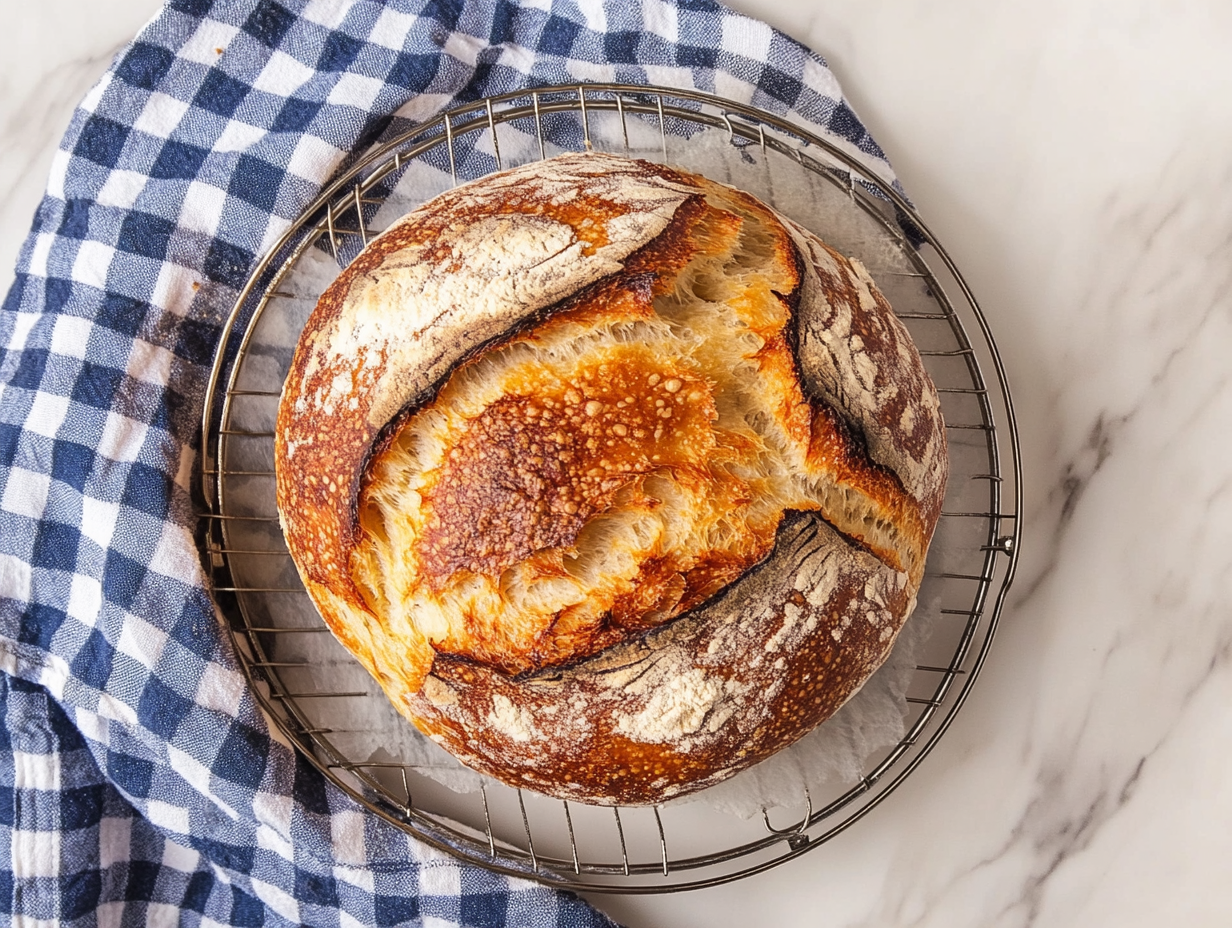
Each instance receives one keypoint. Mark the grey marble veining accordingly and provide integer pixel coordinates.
(1076, 159)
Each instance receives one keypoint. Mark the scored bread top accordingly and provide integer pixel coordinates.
(563, 405)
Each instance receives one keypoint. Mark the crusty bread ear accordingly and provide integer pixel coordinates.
(542, 439)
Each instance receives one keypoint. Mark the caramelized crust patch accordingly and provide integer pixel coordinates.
(534, 467)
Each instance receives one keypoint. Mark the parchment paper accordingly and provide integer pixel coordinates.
(365, 727)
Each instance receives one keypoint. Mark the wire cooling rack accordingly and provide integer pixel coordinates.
(329, 708)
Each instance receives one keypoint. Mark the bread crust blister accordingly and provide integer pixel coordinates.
(617, 481)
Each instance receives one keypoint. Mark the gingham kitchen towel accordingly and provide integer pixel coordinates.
(139, 782)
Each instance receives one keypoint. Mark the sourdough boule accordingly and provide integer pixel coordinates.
(615, 479)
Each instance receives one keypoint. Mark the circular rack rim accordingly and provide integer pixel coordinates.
(753, 127)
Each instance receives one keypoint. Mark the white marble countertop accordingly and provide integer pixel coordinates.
(1076, 158)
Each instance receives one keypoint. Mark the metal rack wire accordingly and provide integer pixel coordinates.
(639, 850)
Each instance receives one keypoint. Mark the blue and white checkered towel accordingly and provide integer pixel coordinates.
(139, 782)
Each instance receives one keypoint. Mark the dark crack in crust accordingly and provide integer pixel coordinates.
(591, 719)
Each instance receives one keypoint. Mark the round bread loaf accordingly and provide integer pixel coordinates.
(616, 480)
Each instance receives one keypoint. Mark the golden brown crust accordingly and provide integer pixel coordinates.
(614, 479)
(318, 492)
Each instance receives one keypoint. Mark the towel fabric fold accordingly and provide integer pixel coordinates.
(139, 781)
